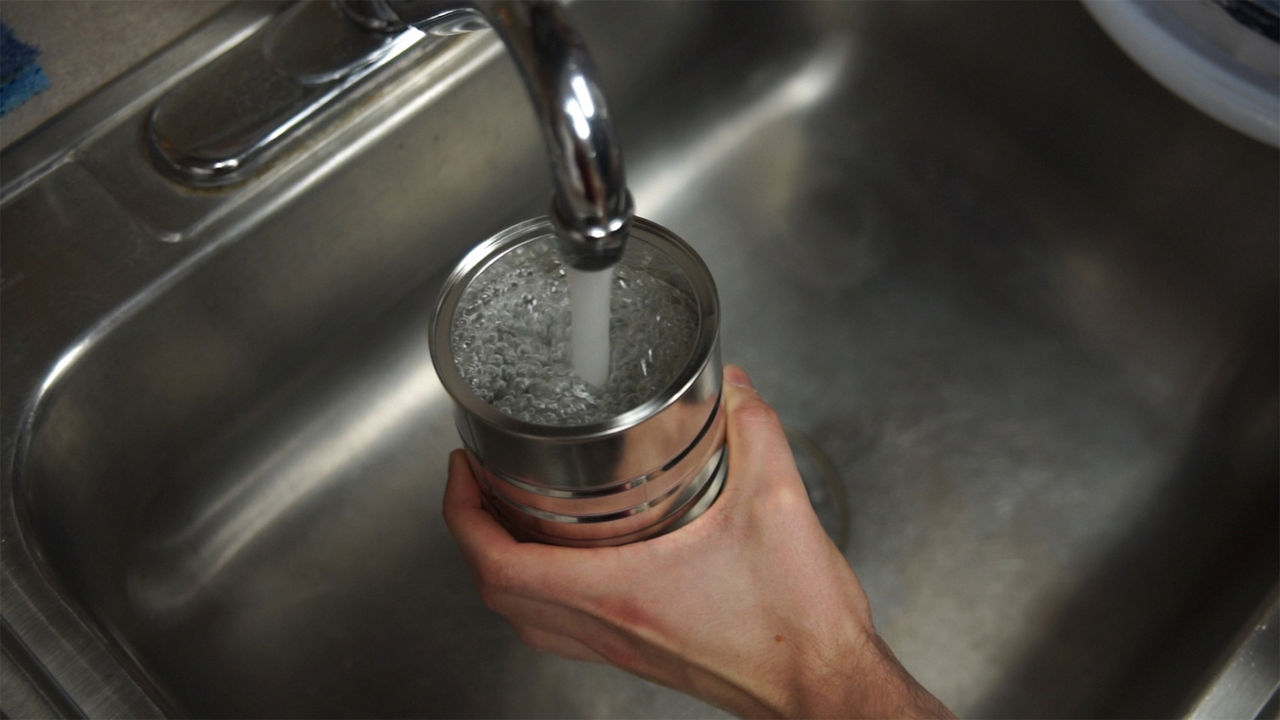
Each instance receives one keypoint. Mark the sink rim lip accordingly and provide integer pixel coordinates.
(488, 251)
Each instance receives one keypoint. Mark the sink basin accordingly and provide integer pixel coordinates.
(1022, 299)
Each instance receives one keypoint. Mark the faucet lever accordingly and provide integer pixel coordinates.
(201, 133)
(228, 119)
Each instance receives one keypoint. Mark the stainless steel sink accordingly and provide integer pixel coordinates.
(1022, 298)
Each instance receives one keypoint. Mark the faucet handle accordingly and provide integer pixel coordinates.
(200, 133)
(228, 119)
(435, 17)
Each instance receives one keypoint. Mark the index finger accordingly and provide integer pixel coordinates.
(478, 534)
(499, 560)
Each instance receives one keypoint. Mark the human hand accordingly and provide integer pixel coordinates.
(749, 607)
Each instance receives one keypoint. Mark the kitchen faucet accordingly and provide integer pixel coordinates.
(199, 134)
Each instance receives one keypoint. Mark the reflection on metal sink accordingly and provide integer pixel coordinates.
(1022, 297)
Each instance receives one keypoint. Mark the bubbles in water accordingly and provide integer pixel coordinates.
(511, 336)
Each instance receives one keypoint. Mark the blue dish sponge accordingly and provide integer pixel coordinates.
(20, 75)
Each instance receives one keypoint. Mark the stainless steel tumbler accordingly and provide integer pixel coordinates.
(625, 478)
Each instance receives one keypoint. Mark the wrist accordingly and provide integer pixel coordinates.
(870, 684)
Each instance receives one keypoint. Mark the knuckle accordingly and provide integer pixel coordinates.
(490, 596)
(495, 575)
(531, 638)
(756, 413)
(788, 497)
(503, 576)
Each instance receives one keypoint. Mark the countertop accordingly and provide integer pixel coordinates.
(84, 44)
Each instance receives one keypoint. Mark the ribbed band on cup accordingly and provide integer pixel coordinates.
(619, 513)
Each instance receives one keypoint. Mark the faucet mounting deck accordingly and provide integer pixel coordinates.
(200, 134)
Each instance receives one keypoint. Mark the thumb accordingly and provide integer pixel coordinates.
(758, 448)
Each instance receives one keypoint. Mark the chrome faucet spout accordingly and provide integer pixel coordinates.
(591, 208)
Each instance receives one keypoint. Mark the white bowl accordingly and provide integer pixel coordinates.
(1205, 55)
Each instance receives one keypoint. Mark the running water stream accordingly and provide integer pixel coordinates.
(589, 296)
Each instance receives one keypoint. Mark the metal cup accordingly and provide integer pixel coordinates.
(643, 472)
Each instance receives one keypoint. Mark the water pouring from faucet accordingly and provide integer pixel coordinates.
(591, 209)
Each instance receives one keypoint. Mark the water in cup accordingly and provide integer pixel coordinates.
(515, 329)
